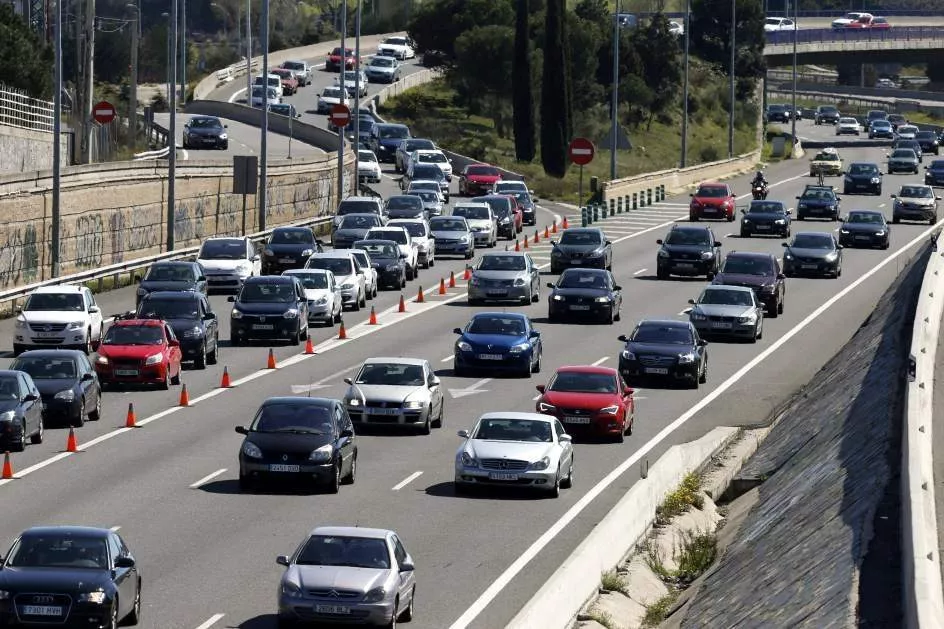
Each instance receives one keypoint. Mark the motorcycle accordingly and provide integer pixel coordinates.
(760, 191)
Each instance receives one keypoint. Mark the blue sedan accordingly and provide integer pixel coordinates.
(498, 342)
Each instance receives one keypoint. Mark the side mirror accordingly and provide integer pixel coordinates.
(94, 309)
(30, 397)
(231, 298)
(457, 330)
(607, 243)
(282, 560)
(550, 285)
(210, 316)
(702, 342)
(242, 430)
(783, 244)
(348, 381)
(622, 338)
(565, 438)
(463, 433)
(717, 243)
(798, 197)
(174, 343)
(838, 246)
(691, 301)
(534, 334)
(137, 278)
(406, 566)
(434, 381)
(541, 388)
(88, 376)
(124, 561)
(781, 276)
(659, 241)
(617, 288)
(347, 432)
(226, 126)
(403, 256)
(788, 212)
(202, 278)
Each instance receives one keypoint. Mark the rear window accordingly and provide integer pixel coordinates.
(357, 207)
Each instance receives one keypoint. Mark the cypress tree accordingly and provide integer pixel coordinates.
(554, 93)
(523, 98)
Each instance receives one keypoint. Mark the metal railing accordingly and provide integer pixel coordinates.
(822, 35)
(19, 109)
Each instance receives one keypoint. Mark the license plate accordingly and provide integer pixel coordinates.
(286, 260)
(762, 227)
(48, 335)
(502, 476)
(497, 292)
(280, 467)
(580, 307)
(862, 238)
(721, 325)
(263, 326)
(41, 610)
(126, 372)
(332, 609)
(576, 420)
(490, 357)
(658, 370)
(809, 266)
(576, 261)
(383, 411)
(861, 186)
(685, 265)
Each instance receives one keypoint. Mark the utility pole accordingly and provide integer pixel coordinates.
(78, 8)
(56, 136)
(133, 95)
(264, 143)
(343, 94)
(172, 131)
(88, 83)
(793, 118)
(731, 108)
(249, 55)
(183, 53)
(355, 115)
(614, 97)
(686, 24)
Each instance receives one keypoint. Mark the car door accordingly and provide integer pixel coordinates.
(201, 285)
(30, 403)
(567, 449)
(126, 577)
(88, 381)
(94, 315)
(700, 347)
(301, 304)
(211, 324)
(344, 444)
(173, 349)
(407, 578)
(254, 258)
(435, 391)
(534, 274)
(628, 400)
(534, 337)
(616, 290)
(361, 274)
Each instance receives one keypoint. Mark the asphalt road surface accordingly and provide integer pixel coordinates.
(243, 140)
(207, 553)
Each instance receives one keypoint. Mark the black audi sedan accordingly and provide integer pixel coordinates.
(688, 251)
(173, 275)
(192, 319)
(862, 177)
(289, 248)
(385, 256)
(404, 206)
(299, 438)
(583, 294)
(761, 273)
(21, 411)
(69, 576)
(67, 384)
(267, 307)
(865, 228)
(812, 253)
(664, 349)
(765, 218)
(934, 173)
(581, 247)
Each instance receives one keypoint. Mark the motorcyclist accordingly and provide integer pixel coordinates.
(759, 180)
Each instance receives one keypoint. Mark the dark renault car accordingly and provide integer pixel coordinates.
(21, 411)
(288, 248)
(584, 294)
(386, 258)
(760, 272)
(865, 228)
(299, 438)
(503, 209)
(273, 306)
(352, 228)
(862, 177)
(664, 349)
(173, 275)
(928, 142)
(67, 384)
(688, 251)
(404, 206)
(818, 202)
(765, 218)
(69, 576)
(581, 247)
(193, 321)
(812, 253)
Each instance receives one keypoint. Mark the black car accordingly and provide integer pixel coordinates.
(67, 383)
(865, 228)
(272, 306)
(826, 114)
(385, 256)
(288, 248)
(502, 209)
(928, 142)
(299, 437)
(765, 218)
(895, 120)
(761, 273)
(876, 114)
(585, 293)
(404, 206)
(581, 247)
(284, 109)
(818, 202)
(205, 131)
(777, 113)
(352, 228)
(385, 138)
(862, 177)
(812, 253)
(934, 173)
(426, 172)
(528, 210)
(21, 411)
(193, 321)
(688, 250)
(69, 576)
(664, 349)
(172, 275)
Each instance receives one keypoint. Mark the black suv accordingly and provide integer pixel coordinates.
(192, 319)
(289, 248)
(688, 251)
(272, 306)
(777, 113)
(863, 177)
(826, 114)
(760, 272)
(818, 202)
(667, 349)
(175, 275)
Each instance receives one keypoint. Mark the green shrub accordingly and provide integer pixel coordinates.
(709, 153)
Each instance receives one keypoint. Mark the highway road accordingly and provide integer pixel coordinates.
(207, 553)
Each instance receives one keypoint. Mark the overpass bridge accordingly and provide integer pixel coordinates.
(903, 44)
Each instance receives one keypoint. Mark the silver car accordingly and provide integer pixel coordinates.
(347, 574)
(516, 450)
(432, 201)
(323, 294)
(453, 236)
(728, 311)
(396, 392)
(481, 222)
(903, 161)
(370, 273)
(507, 276)
(300, 70)
(383, 69)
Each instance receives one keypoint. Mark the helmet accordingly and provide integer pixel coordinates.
(759, 175)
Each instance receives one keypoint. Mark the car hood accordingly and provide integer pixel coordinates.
(496, 340)
(743, 279)
(863, 176)
(588, 401)
(54, 385)
(390, 143)
(862, 228)
(8, 405)
(179, 326)
(722, 310)
(916, 201)
(816, 202)
(337, 577)
(711, 200)
(343, 279)
(810, 253)
(387, 392)
(357, 233)
(764, 216)
(53, 316)
(334, 100)
(133, 352)
(54, 580)
(479, 222)
(454, 235)
(174, 286)
(379, 262)
(288, 443)
(221, 265)
(406, 213)
(686, 248)
(521, 450)
(263, 307)
(381, 69)
(204, 131)
(578, 248)
(498, 275)
(490, 179)
(291, 249)
(581, 292)
(312, 294)
(663, 349)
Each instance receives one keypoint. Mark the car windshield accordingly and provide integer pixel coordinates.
(873, 218)
(258, 292)
(427, 196)
(366, 156)
(827, 157)
(393, 133)
(428, 186)
(514, 430)
(432, 158)
(881, 124)
(359, 221)
(483, 171)
(663, 334)
(812, 241)
(354, 552)
(349, 206)
(283, 73)
(765, 207)
(312, 281)
(404, 202)
(383, 62)
(743, 265)
(499, 205)
(848, 121)
(726, 297)
(339, 266)
(396, 41)
(523, 197)
(818, 194)
(294, 418)
(574, 278)
(471, 212)
(337, 52)
(282, 110)
(46, 368)
(574, 237)
(379, 249)
(827, 110)
(294, 65)
(66, 302)
(393, 374)
(417, 230)
(937, 165)
(907, 129)
(692, 237)
(293, 237)
(580, 382)
(331, 92)
(447, 224)
(169, 309)
(876, 114)
(502, 326)
(926, 135)
(362, 258)
(502, 263)
(418, 144)
(223, 250)
(205, 123)
(904, 153)
(59, 551)
(712, 192)
(134, 335)
(396, 235)
(863, 169)
(917, 192)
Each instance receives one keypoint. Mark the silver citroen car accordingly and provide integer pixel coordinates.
(508, 276)
(347, 574)
(396, 392)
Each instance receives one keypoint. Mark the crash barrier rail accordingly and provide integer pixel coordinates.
(923, 596)
(891, 105)
(19, 109)
(862, 92)
(283, 125)
(237, 69)
(833, 14)
(822, 35)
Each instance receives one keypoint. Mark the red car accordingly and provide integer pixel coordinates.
(712, 200)
(869, 22)
(333, 60)
(589, 401)
(478, 179)
(139, 351)
(289, 82)
(517, 211)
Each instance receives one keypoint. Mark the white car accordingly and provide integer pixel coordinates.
(274, 81)
(353, 284)
(399, 47)
(404, 242)
(228, 261)
(887, 84)
(64, 316)
(907, 132)
(426, 184)
(368, 168)
(323, 295)
(419, 232)
(848, 126)
(776, 24)
(352, 83)
(271, 96)
(481, 220)
(370, 273)
(848, 19)
(511, 186)
(331, 96)
(431, 156)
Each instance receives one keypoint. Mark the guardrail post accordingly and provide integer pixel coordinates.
(596, 213)
(583, 217)
(648, 196)
(635, 201)
(663, 191)
(619, 205)
(612, 207)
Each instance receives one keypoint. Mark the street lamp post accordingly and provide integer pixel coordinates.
(263, 142)
(355, 117)
(56, 135)
(249, 55)
(172, 131)
(183, 53)
(793, 118)
(171, 83)
(686, 24)
(133, 95)
(344, 95)
(731, 107)
(614, 97)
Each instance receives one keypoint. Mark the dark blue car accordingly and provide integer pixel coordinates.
(934, 173)
(385, 139)
(765, 218)
(498, 342)
(67, 384)
(818, 202)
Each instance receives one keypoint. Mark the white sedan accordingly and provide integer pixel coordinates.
(368, 168)
(848, 126)
(776, 24)
(398, 47)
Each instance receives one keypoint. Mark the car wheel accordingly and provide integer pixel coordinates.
(373, 292)
(554, 491)
(895, 219)
(352, 473)
(96, 413)
(568, 481)
(234, 340)
(200, 362)
(213, 356)
(760, 330)
(458, 371)
(245, 483)
(745, 233)
(407, 614)
(20, 444)
(393, 620)
(113, 615)
(537, 365)
(662, 274)
(409, 275)
(175, 379)
(134, 616)
(427, 426)
(710, 276)
(442, 410)
(703, 378)
(403, 281)
(334, 484)
(363, 303)
(356, 304)
(37, 437)
(88, 342)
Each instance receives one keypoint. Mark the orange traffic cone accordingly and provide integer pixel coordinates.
(452, 279)
(309, 348)
(467, 275)
(131, 420)
(402, 304)
(564, 225)
(271, 363)
(373, 317)
(554, 227)
(7, 467)
(420, 298)
(184, 396)
(342, 333)
(536, 239)
(442, 286)
(547, 233)
(518, 245)
(72, 445)
(224, 382)
(525, 242)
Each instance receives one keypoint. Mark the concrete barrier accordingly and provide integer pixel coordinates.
(923, 596)
(301, 131)
(27, 149)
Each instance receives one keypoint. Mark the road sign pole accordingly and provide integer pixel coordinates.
(56, 144)
(580, 188)
(344, 97)
(172, 132)
(261, 196)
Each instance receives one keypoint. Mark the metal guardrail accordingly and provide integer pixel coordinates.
(19, 109)
(822, 35)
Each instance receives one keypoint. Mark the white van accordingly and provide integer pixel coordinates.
(275, 82)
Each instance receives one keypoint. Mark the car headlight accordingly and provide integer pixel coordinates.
(557, 298)
(464, 239)
(788, 256)
(413, 404)
(268, 252)
(707, 255)
(595, 254)
(541, 464)
(463, 346)
(468, 460)
(697, 316)
(876, 180)
(223, 136)
(780, 221)
(602, 300)
(832, 256)
(747, 319)
(141, 291)
(686, 358)
(321, 301)
(505, 220)
(252, 450)
(746, 221)
(66, 396)
(153, 359)
(291, 313)
(4, 595)
(544, 407)
(76, 325)
(193, 333)
(307, 252)
(801, 206)
(610, 410)
(520, 347)
(96, 598)
(353, 401)
(376, 595)
(663, 253)
(881, 233)
(347, 285)
(236, 314)
(843, 231)
(244, 267)
(628, 355)
(322, 454)
(7, 416)
(291, 589)
(767, 288)
(21, 321)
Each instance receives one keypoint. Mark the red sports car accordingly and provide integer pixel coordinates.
(139, 351)
(589, 401)
(333, 60)
(476, 179)
(712, 200)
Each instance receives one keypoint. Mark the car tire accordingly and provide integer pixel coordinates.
(351, 476)
(662, 274)
(20, 445)
(96, 413)
(113, 615)
(88, 342)
(554, 492)
(333, 486)
(403, 281)
(363, 302)
(745, 234)
(234, 340)
(37, 437)
(407, 614)
(427, 426)
(134, 616)
(459, 372)
(176, 378)
(537, 365)
(213, 356)
(200, 362)
(438, 423)
(244, 483)
(409, 275)
(568, 481)
(703, 378)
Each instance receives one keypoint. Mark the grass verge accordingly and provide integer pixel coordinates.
(603, 618)
(657, 612)
(612, 582)
(685, 496)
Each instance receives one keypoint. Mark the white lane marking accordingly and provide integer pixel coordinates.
(548, 536)
(212, 620)
(115, 529)
(406, 481)
(207, 478)
(447, 358)
(881, 205)
(600, 361)
(640, 271)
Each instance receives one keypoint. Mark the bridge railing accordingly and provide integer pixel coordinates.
(820, 35)
(19, 109)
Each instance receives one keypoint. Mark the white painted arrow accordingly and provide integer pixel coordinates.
(305, 388)
(472, 389)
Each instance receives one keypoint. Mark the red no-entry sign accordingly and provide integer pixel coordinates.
(340, 115)
(581, 151)
(103, 112)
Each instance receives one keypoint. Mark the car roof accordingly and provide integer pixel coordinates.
(174, 263)
(299, 400)
(182, 295)
(403, 360)
(516, 254)
(383, 241)
(204, 117)
(713, 184)
(812, 234)
(357, 198)
(306, 272)
(689, 228)
(60, 288)
(668, 323)
(517, 415)
(133, 323)
(75, 531)
(471, 204)
(53, 353)
(290, 228)
(573, 270)
(579, 230)
(873, 212)
(396, 222)
(750, 254)
(338, 253)
(725, 287)
(269, 279)
(209, 238)
(428, 151)
(589, 369)
(351, 531)
(392, 124)
(511, 315)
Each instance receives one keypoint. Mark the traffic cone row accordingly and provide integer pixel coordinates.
(7, 467)
(442, 286)
(452, 279)
(271, 362)
(420, 298)
(342, 332)
(525, 242)
(536, 239)
(373, 317)
(309, 347)
(72, 444)
(184, 396)
(517, 245)
(467, 275)
(131, 420)
(402, 304)
(224, 381)
(554, 227)
(564, 225)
